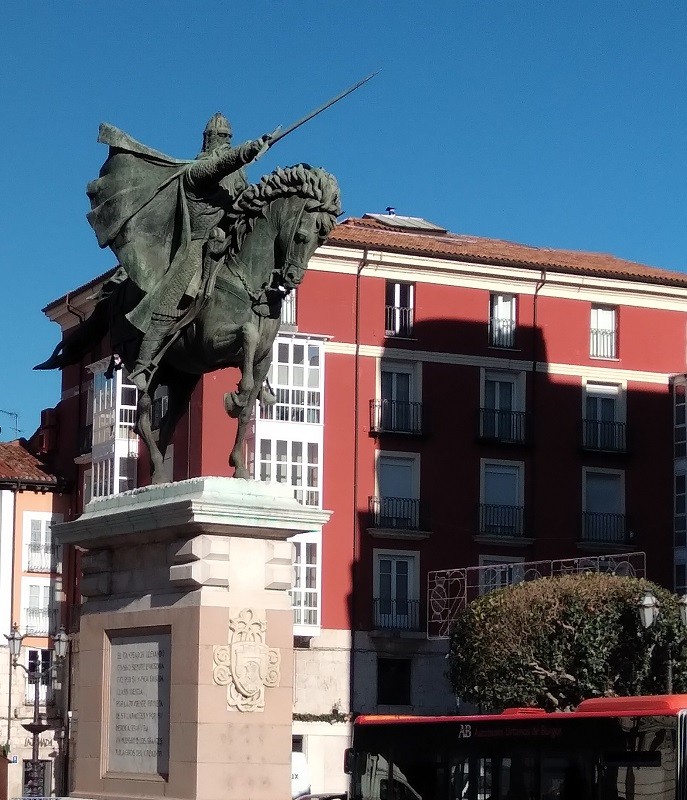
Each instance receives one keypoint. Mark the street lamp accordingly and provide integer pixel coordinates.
(649, 609)
(36, 727)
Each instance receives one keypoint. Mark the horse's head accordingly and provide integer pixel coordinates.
(304, 218)
(300, 205)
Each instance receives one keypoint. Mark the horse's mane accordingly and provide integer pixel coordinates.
(318, 187)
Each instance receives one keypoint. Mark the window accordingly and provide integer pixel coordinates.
(393, 681)
(159, 407)
(288, 309)
(400, 304)
(42, 553)
(679, 430)
(502, 416)
(604, 507)
(305, 594)
(39, 614)
(502, 492)
(680, 510)
(294, 462)
(603, 424)
(502, 320)
(680, 578)
(497, 572)
(296, 377)
(44, 779)
(397, 410)
(39, 661)
(396, 504)
(396, 590)
(603, 340)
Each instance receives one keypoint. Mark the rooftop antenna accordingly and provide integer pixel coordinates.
(391, 211)
(14, 416)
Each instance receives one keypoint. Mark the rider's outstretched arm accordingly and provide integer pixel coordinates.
(225, 161)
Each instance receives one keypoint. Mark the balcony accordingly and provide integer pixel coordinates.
(507, 427)
(503, 522)
(501, 332)
(396, 615)
(46, 693)
(399, 513)
(395, 416)
(607, 437)
(602, 528)
(399, 321)
(42, 558)
(40, 621)
(602, 343)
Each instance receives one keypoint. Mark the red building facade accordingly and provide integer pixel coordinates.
(456, 402)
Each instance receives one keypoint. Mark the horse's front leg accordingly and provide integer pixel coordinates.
(235, 402)
(144, 429)
(236, 459)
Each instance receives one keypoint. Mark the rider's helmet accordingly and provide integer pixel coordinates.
(217, 132)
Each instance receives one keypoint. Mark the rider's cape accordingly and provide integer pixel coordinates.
(139, 209)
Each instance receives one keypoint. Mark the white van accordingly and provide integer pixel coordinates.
(300, 775)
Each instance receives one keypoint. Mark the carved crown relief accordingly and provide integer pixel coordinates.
(246, 666)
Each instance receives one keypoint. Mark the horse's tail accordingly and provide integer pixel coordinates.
(82, 339)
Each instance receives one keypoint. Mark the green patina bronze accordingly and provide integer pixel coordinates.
(205, 260)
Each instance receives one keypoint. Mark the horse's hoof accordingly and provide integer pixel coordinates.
(241, 472)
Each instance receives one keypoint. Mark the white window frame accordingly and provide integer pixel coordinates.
(413, 557)
(616, 389)
(302, 628)
(412, 368)
(291, 410)
(517, 378)
(288, 310)
(498, 301)
(594, 326)
(42, 584)
(45, 690)
(500, 565)
(499, 462)
(602, 470)
(47, 520)
(380, 455)
(397, 307)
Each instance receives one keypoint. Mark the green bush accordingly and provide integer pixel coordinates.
(556, 641)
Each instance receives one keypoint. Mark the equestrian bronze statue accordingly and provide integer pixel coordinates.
(205, 261)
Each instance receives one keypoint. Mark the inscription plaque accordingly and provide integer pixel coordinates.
(138, 740)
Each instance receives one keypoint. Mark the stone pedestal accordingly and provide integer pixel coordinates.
(184, 680)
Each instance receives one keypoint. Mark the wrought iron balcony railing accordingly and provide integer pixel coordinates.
(603, 343)
(43, 558)
(399, 321)
(396, 614)
(40, 621)
(501, 332)
(395, 416)
(46, 693)
(604, 528)
(606, 436)
(397, 512)
(497, 425)
(503, 521)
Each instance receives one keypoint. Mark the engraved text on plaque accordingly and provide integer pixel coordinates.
(139, 704)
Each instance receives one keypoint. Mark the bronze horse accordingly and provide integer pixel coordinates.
(275, 228)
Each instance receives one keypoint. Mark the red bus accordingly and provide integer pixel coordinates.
(624, 748)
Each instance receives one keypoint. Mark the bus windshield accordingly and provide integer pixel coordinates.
(631, 758)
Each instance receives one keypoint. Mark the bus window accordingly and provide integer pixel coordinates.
(564, 778)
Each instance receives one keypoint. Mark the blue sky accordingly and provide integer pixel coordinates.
(557, 124)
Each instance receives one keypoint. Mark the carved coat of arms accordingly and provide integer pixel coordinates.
(246, 665)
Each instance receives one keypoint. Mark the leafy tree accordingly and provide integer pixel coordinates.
(556, 641)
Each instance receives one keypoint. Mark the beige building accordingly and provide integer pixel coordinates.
(32, 573)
